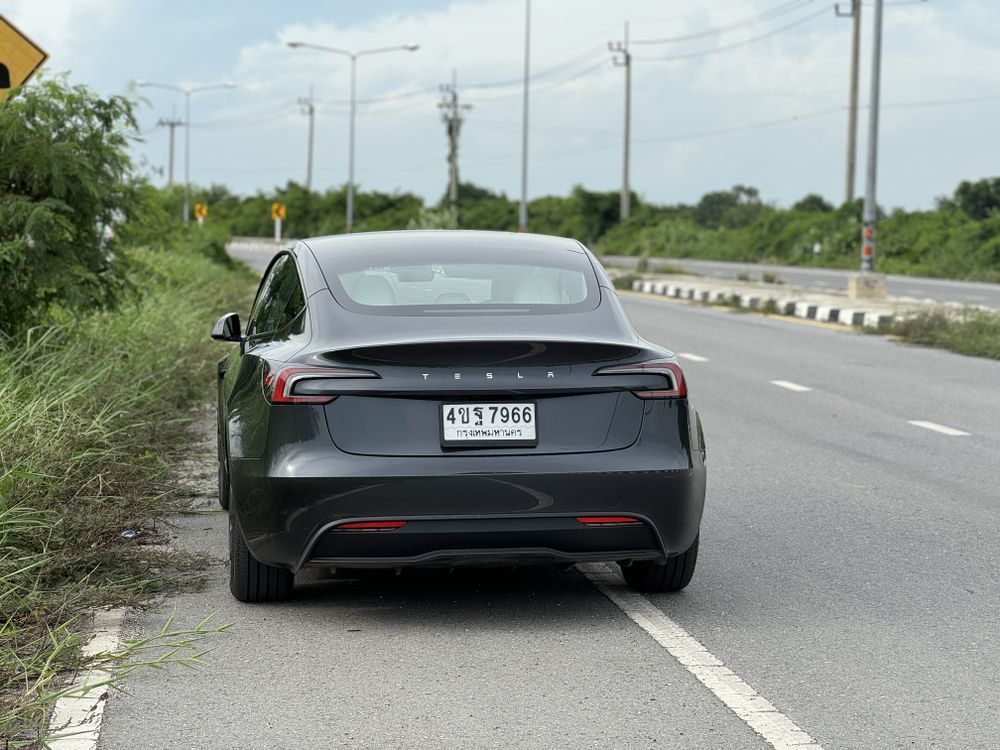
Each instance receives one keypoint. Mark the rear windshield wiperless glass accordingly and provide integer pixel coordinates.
(427, 280)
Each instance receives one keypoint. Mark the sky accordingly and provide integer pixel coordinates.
(755, 92)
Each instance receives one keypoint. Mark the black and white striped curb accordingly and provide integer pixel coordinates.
(254, 245)
(763, 302)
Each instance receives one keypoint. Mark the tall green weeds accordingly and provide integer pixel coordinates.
(92, 409)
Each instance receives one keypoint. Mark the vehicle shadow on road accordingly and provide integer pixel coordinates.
(479, 598)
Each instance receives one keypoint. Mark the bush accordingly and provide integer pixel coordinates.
(974, 332)
(66, 176)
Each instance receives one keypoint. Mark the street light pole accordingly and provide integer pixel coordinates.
(354, 65)
(187, 157)
(187, 91)
(852, 107)
(350, 138)
(522, 220)
(870, 212)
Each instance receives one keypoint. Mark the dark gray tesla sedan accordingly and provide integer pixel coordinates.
(445, 398)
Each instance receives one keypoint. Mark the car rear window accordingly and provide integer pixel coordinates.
(432, 281)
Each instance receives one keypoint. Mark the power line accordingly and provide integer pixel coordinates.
(744, 43)
(758, 18)
(546, 87)
(568, 64)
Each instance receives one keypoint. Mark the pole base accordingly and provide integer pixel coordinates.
(866, 286)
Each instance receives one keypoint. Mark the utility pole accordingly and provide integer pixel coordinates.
(172, 123)
(308, 105)
(623, 59)
(451, 115)
(870, 213)
(852, 108)
(522, 221)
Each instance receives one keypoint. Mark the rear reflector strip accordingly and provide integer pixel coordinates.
(372, 525)
(607, 520)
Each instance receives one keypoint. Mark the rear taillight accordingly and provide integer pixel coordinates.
(675, 386)
(280, 386)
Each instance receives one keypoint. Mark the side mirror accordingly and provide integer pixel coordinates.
(227, 328)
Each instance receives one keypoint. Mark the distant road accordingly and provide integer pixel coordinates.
(830, 280)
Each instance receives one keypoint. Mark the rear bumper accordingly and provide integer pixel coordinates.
(436, 542)
(475, 510)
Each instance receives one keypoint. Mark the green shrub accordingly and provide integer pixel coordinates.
(66, 180)
(974, 332)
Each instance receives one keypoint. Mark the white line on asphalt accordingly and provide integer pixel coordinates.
(791, 386)
(692, 357)
(760, 715)
(76, 718)
(937, 427)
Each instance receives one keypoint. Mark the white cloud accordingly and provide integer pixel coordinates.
(934, 50)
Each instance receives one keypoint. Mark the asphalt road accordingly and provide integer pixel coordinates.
(848, 573)
(834, 280)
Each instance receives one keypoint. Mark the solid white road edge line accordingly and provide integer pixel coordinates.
(757, 712)
(791, 386)
(937, 427)
(692, 357)
(76, 720)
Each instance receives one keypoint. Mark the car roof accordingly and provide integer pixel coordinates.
(449, 237)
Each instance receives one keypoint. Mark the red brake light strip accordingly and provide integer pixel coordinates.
(607, 520)
(372, 525)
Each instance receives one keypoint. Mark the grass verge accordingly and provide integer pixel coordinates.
(973, 332)
(92, 410)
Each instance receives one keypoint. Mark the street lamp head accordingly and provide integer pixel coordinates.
(294, 45)
(411, 47)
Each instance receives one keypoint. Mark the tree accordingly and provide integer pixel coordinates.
(978, 199)
(813, 202)
(67, 182)
(730, 209)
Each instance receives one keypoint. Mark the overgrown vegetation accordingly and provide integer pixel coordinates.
(65, 176)
(959, 239)
(973, 332)
(91, 411)
(103, 350)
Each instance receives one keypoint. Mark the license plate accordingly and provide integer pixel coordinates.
(489, 424)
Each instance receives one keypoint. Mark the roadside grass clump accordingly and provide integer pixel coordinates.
(972, 331)
(625, 280)
(92, 410)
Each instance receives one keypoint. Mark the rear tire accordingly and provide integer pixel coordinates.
(250, 580)
(223, 485)
(673, 575)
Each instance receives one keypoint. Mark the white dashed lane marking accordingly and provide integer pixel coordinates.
(791, 386)
(938, 428)
(755, 710)
(692, 357)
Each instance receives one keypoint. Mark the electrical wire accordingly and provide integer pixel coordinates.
(747, 22)
(736, 45)
(572, 62)
(474, 99)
